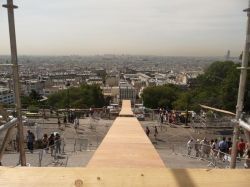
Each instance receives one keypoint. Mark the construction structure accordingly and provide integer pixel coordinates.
(126, 157)
(12, 31)
(241, 93)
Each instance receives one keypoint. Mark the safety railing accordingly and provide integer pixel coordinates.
(204, 152)
(51, 155)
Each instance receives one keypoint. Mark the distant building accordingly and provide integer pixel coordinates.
(94, 81)
(35, 85)
(6, 96)
(127, 91)
(112, 92)
(112, 80)
(182, 79)
(51, 90)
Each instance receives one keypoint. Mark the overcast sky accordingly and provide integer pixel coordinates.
(150, 27)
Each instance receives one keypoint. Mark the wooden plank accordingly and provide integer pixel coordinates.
(218, 110)
(141, 177)
(126, 145)
(126, 110)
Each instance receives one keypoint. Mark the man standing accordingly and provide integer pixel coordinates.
(223, 147)
(190, 146)
(197, 147)
(241, 147)
(229, 144)
(147, 131)
(30, 141)
(156, 132)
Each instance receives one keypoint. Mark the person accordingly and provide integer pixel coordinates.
(197, 148)
(205, 149)
(76, 123)
(64, 119)
(30, 141)
(215, 147)
(161, 118)
(147, 131)
(247, 157)
(156, 132)
(229, 144)
(58, 143)
(193, 116)
(91, 111)
(52, 143)
(45, 142)
(241, 147)
(223, 147)
(190, 146)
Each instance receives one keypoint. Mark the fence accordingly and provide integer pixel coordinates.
(214, 158)
(50, 156)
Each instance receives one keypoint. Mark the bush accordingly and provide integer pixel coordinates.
(33, 109)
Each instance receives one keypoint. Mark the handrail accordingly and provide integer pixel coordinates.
(9, 124)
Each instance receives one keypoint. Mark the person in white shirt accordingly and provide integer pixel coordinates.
(190, 146)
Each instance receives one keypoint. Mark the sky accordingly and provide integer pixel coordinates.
(135, 27)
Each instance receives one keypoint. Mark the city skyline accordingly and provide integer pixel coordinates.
(180, 28)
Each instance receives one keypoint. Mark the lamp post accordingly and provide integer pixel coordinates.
(10, 7)
(241, 92)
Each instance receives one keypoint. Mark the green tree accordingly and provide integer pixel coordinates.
(83, 97)
(160, 96)
(217, 87)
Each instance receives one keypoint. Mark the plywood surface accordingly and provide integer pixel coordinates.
(126, 110)
(126, 145)
(98, 177)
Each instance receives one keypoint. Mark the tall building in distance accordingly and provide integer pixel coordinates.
(127, 92)
(228, 55)
(6, 96)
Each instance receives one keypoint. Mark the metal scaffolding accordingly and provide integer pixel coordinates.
(241, 93)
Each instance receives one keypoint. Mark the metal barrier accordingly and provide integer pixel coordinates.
(204, 152)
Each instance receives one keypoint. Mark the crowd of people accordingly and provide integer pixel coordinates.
(218, 149)
(155, 131)
(50, 143)
(171, 116)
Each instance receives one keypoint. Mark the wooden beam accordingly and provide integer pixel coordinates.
(141, 177)
(218, 110)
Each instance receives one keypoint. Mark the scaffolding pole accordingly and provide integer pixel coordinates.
(10, 7)
(241, 92)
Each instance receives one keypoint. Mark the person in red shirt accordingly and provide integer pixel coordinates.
(241, 147)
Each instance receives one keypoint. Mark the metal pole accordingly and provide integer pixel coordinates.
(241, 92)
(15, 67)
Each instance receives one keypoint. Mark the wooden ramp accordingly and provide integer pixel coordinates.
(126, 145)
(125, 158)
(126, 110)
